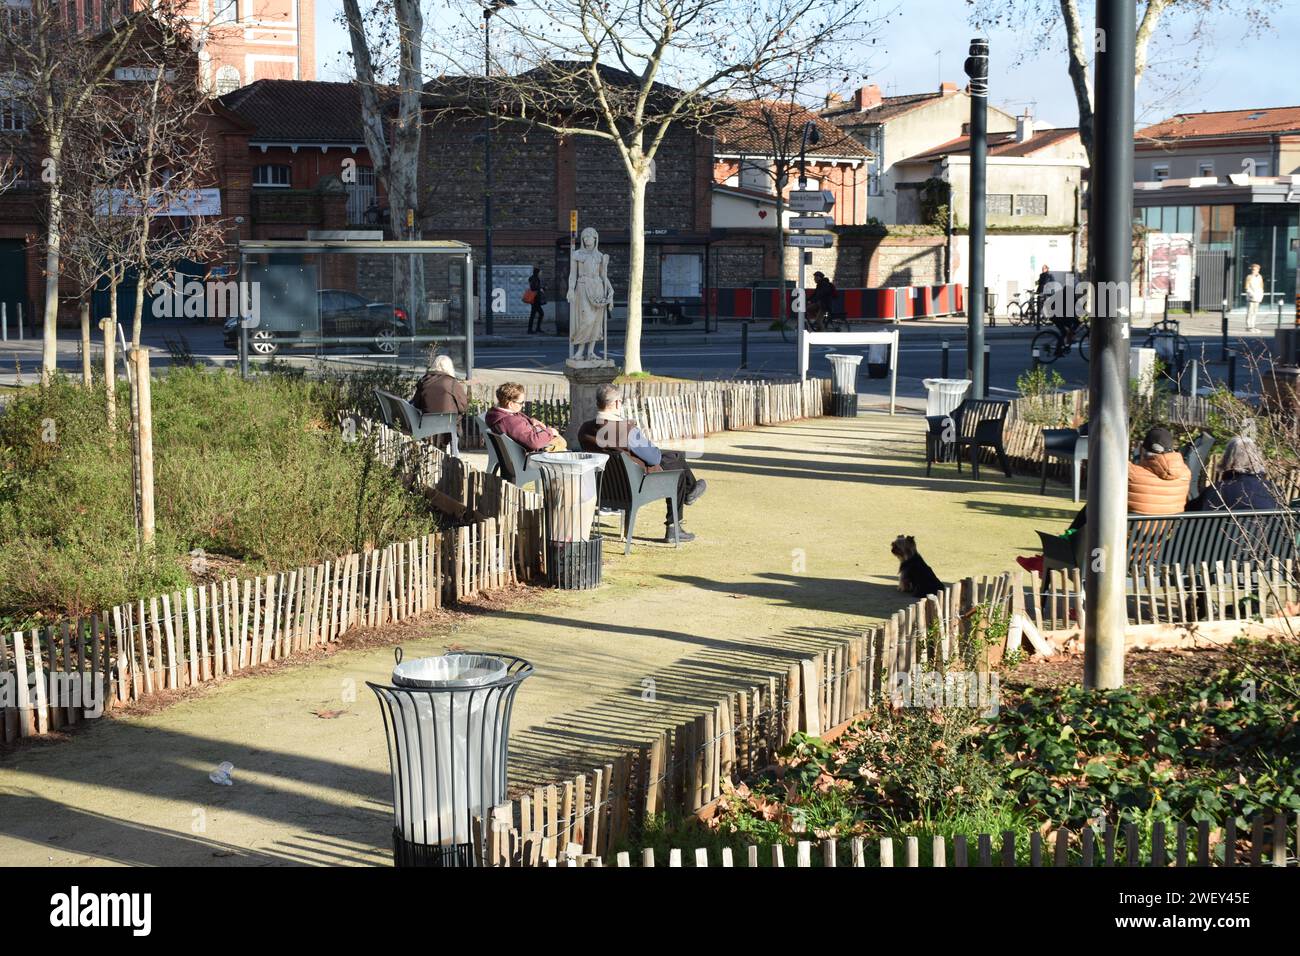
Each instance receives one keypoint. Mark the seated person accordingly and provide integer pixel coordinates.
(610, 433)
(1157, 485)
(1242, 484)
(1158, 482)
(440, 392)
(507, 418)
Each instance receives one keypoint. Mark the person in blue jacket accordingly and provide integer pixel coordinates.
(1242, 484)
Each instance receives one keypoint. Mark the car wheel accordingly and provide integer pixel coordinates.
(385, 341)
(262, 342)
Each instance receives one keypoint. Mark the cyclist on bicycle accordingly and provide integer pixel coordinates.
(823, 301)
(1057, 304)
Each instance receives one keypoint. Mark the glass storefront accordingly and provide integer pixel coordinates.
(1266, 233)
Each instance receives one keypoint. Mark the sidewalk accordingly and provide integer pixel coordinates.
(792, 554)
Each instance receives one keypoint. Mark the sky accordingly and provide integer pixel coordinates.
(921, 42)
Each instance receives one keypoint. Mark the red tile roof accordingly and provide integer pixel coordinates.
(1275, 119)
(299, 111)
(751, 127)
(1000, 144)
(846, 113)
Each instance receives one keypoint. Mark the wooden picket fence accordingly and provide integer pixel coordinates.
(220, 629)
(1171, 594)
(682, 770)
(1268, 843)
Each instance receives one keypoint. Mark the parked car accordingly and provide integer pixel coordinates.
(342, 313)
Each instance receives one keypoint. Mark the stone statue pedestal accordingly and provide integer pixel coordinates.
(585, 376)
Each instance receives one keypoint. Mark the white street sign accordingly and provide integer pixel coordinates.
(810, 241)
(812, 222)
(811, 200)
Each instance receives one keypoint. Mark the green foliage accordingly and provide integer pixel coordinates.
(1042, 400)
(255, 470)
(935, 193)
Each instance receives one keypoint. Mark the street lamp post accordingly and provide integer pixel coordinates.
(490, 8)
(1110, 245)
(810, 135)
(977, 68)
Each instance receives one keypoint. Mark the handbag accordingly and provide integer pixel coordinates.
(529, 296)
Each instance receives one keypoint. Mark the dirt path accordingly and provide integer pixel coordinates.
(792, 553)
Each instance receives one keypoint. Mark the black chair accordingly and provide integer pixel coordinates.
(976, 424)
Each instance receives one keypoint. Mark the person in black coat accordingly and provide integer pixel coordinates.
(535, 313)
(1242, 484)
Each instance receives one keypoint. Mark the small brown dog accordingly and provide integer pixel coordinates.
(915, 577)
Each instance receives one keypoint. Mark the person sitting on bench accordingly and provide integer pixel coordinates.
(507, 418)
(1242, 484)
(611, 433)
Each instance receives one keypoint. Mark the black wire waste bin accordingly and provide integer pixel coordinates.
(447, 720)
(570, 492)
(844, 384)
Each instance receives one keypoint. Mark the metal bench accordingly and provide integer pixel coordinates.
(1187, 540)
(626, 486)
(400, 414)
(976, 424)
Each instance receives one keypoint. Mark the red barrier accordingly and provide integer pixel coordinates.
(902, 302)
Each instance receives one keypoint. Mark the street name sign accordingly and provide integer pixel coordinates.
(811, 200)
(810, 241)
(812, 222)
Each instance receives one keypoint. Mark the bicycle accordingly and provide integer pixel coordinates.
(1164, 336)
(1052, 344)
(1023, 311)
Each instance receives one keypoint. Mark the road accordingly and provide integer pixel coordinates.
(685, 354)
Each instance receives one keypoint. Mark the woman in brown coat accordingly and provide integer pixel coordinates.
(440, 391)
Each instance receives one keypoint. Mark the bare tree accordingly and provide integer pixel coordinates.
(56, 73)
(629, 71)
(394, 146)
(1049, 20)
(777, 111)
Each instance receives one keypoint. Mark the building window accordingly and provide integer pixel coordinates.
(1205, 168)
(998, 204)
(680, 275)
(227, 80)
(755, 174)
(13, 115)
(225, 11)
(874, 140)
(1261, 167)
(1031, 204)
(1160, 172)
(361, 194)
(277, 175)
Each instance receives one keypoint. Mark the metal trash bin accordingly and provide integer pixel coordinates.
(570, 486)
(943, 395)
(844, 384)
(447, 720)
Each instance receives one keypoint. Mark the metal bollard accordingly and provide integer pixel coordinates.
(20, 321)
(744, 345)
(1038, 359)
(4, 323)
(986, 372)
(1223, 333)
(943, 369)
(1232, 373)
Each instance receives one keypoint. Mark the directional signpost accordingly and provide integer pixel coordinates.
(808, 201)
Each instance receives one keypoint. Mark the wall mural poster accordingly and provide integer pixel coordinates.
(1169, 264)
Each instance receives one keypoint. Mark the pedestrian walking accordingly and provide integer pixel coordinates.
(536, 298)
(1254, 296)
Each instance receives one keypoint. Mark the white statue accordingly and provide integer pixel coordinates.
(590, 296)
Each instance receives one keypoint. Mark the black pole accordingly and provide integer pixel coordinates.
(744, 345)
(943, 373)
(986, 371)
(486, 291)
(1111, 244)
(977, 68)
(1232, 373)
(1223, 333)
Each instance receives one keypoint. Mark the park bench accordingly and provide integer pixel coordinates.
(512, 460)
(1187, 540)
(976, 424)
(626, 486)
(400, 414)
